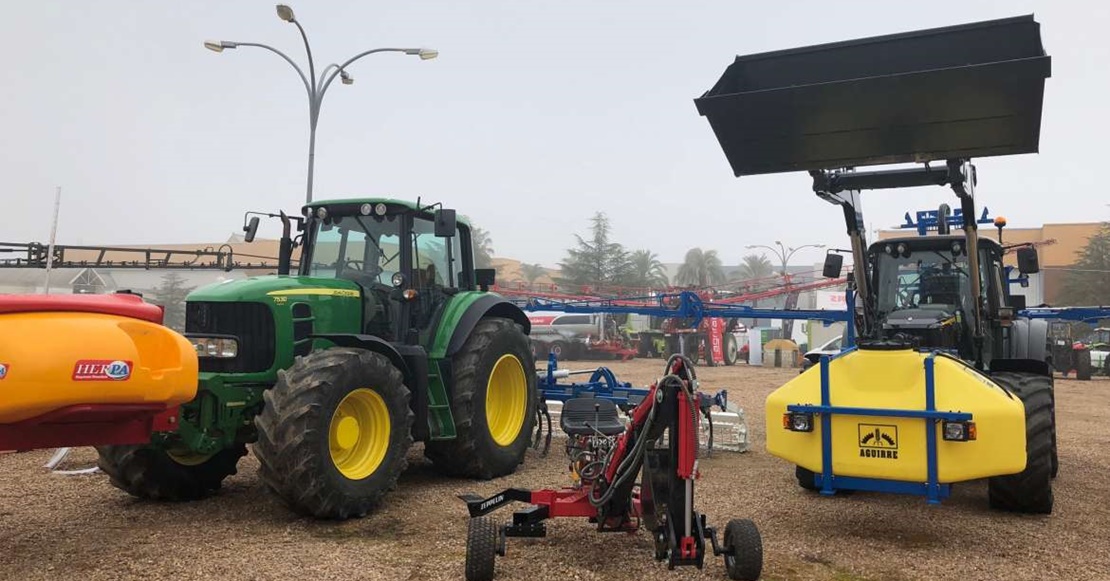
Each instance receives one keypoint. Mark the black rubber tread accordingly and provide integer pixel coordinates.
(1029, 491)
(690, 347)
(293, 431)
(1083, 367)
(149, 472)
(805, 478)
(473, 453)
(481, 548)
(732, 352)
(744, 546)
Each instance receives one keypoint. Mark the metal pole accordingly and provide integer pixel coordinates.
(53, 235)
(313, 111)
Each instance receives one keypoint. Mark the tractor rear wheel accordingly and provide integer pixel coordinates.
(158, 474)
(334, 432)
(1029, 491)
(493, 404)
(1083, 368)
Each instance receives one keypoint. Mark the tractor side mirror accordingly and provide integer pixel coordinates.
(1027, 260)
(834, 264)
(485, 277)
(445, 223)
(251, 229)
(1017, 302)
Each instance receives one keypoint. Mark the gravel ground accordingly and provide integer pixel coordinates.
(79, 527)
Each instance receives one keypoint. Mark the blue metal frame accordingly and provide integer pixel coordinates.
(1067, 313)
(686, 305)
(927, 220)
(829, 483)
(602, 384)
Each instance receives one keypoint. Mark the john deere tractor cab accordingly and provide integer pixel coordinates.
(947, 384)
(385, 335)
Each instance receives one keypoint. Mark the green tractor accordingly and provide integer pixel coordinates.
(386, 335)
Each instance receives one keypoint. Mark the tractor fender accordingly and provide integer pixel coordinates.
(370, 343)
(1029, 339)
(486, 305)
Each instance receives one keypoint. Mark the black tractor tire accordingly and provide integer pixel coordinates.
(154, 474)
(732, 352)
(1029, 491)
(690, 347)
(743, 550)
(474, 453)
(1083, 368)
(805, 478)
(481, 548)
(295, 432)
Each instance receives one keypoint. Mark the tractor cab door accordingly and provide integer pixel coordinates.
(436, 267)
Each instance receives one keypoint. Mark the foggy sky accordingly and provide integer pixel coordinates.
(534, 116)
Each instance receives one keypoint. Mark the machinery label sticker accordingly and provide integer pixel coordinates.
(3, 370)
(101, 370)
(878, 441)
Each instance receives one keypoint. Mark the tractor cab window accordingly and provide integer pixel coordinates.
(929, 280)
(365, 249)
(429, 256)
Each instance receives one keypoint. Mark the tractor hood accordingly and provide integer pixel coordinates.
(964, 91)
(267, 287)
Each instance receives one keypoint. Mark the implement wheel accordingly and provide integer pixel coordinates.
(482, 539)
(732, 352)
(333, 434)
(1029, 491)
(157, 474)
(493, 403)
(743, 550)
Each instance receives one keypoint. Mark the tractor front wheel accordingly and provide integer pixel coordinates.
(493, 404)
(1029, 491)
(157, 474)
(334, 432)
(1083, 368)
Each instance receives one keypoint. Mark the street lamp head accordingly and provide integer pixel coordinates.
(345, 78)
(285, 13)
(424, 53)
(219, 45)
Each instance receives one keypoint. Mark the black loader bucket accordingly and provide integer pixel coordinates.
(965, 91)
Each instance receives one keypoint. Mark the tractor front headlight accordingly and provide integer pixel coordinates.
(798, 421)
(958, 431)
(219, 347)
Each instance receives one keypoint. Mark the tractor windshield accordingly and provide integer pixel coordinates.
(365, 249)
(927, 280)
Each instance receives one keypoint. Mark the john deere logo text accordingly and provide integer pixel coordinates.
(878, 441)
(93, 370)
(3, 370)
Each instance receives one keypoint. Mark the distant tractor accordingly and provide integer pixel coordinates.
(384, 336)
(1067, 353)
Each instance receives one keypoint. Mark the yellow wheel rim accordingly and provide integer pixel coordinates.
(188, 457)
(358, 436)
(506, 400)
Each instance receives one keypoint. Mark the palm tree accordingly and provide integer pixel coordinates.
(483, 247)
(700, 268)
(647, 270)
(754, 266)
(531, 272)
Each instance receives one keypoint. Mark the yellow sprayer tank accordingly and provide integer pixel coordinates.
(894, 448)
(72, 360)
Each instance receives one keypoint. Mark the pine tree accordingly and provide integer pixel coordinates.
(1088, 280)
(598, 260)
(171, 296)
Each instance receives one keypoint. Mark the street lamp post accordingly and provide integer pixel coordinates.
(784, 254)
(313, 86)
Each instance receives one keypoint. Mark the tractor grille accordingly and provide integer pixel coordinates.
(252, 323)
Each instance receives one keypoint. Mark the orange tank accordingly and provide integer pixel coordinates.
(72, 355)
